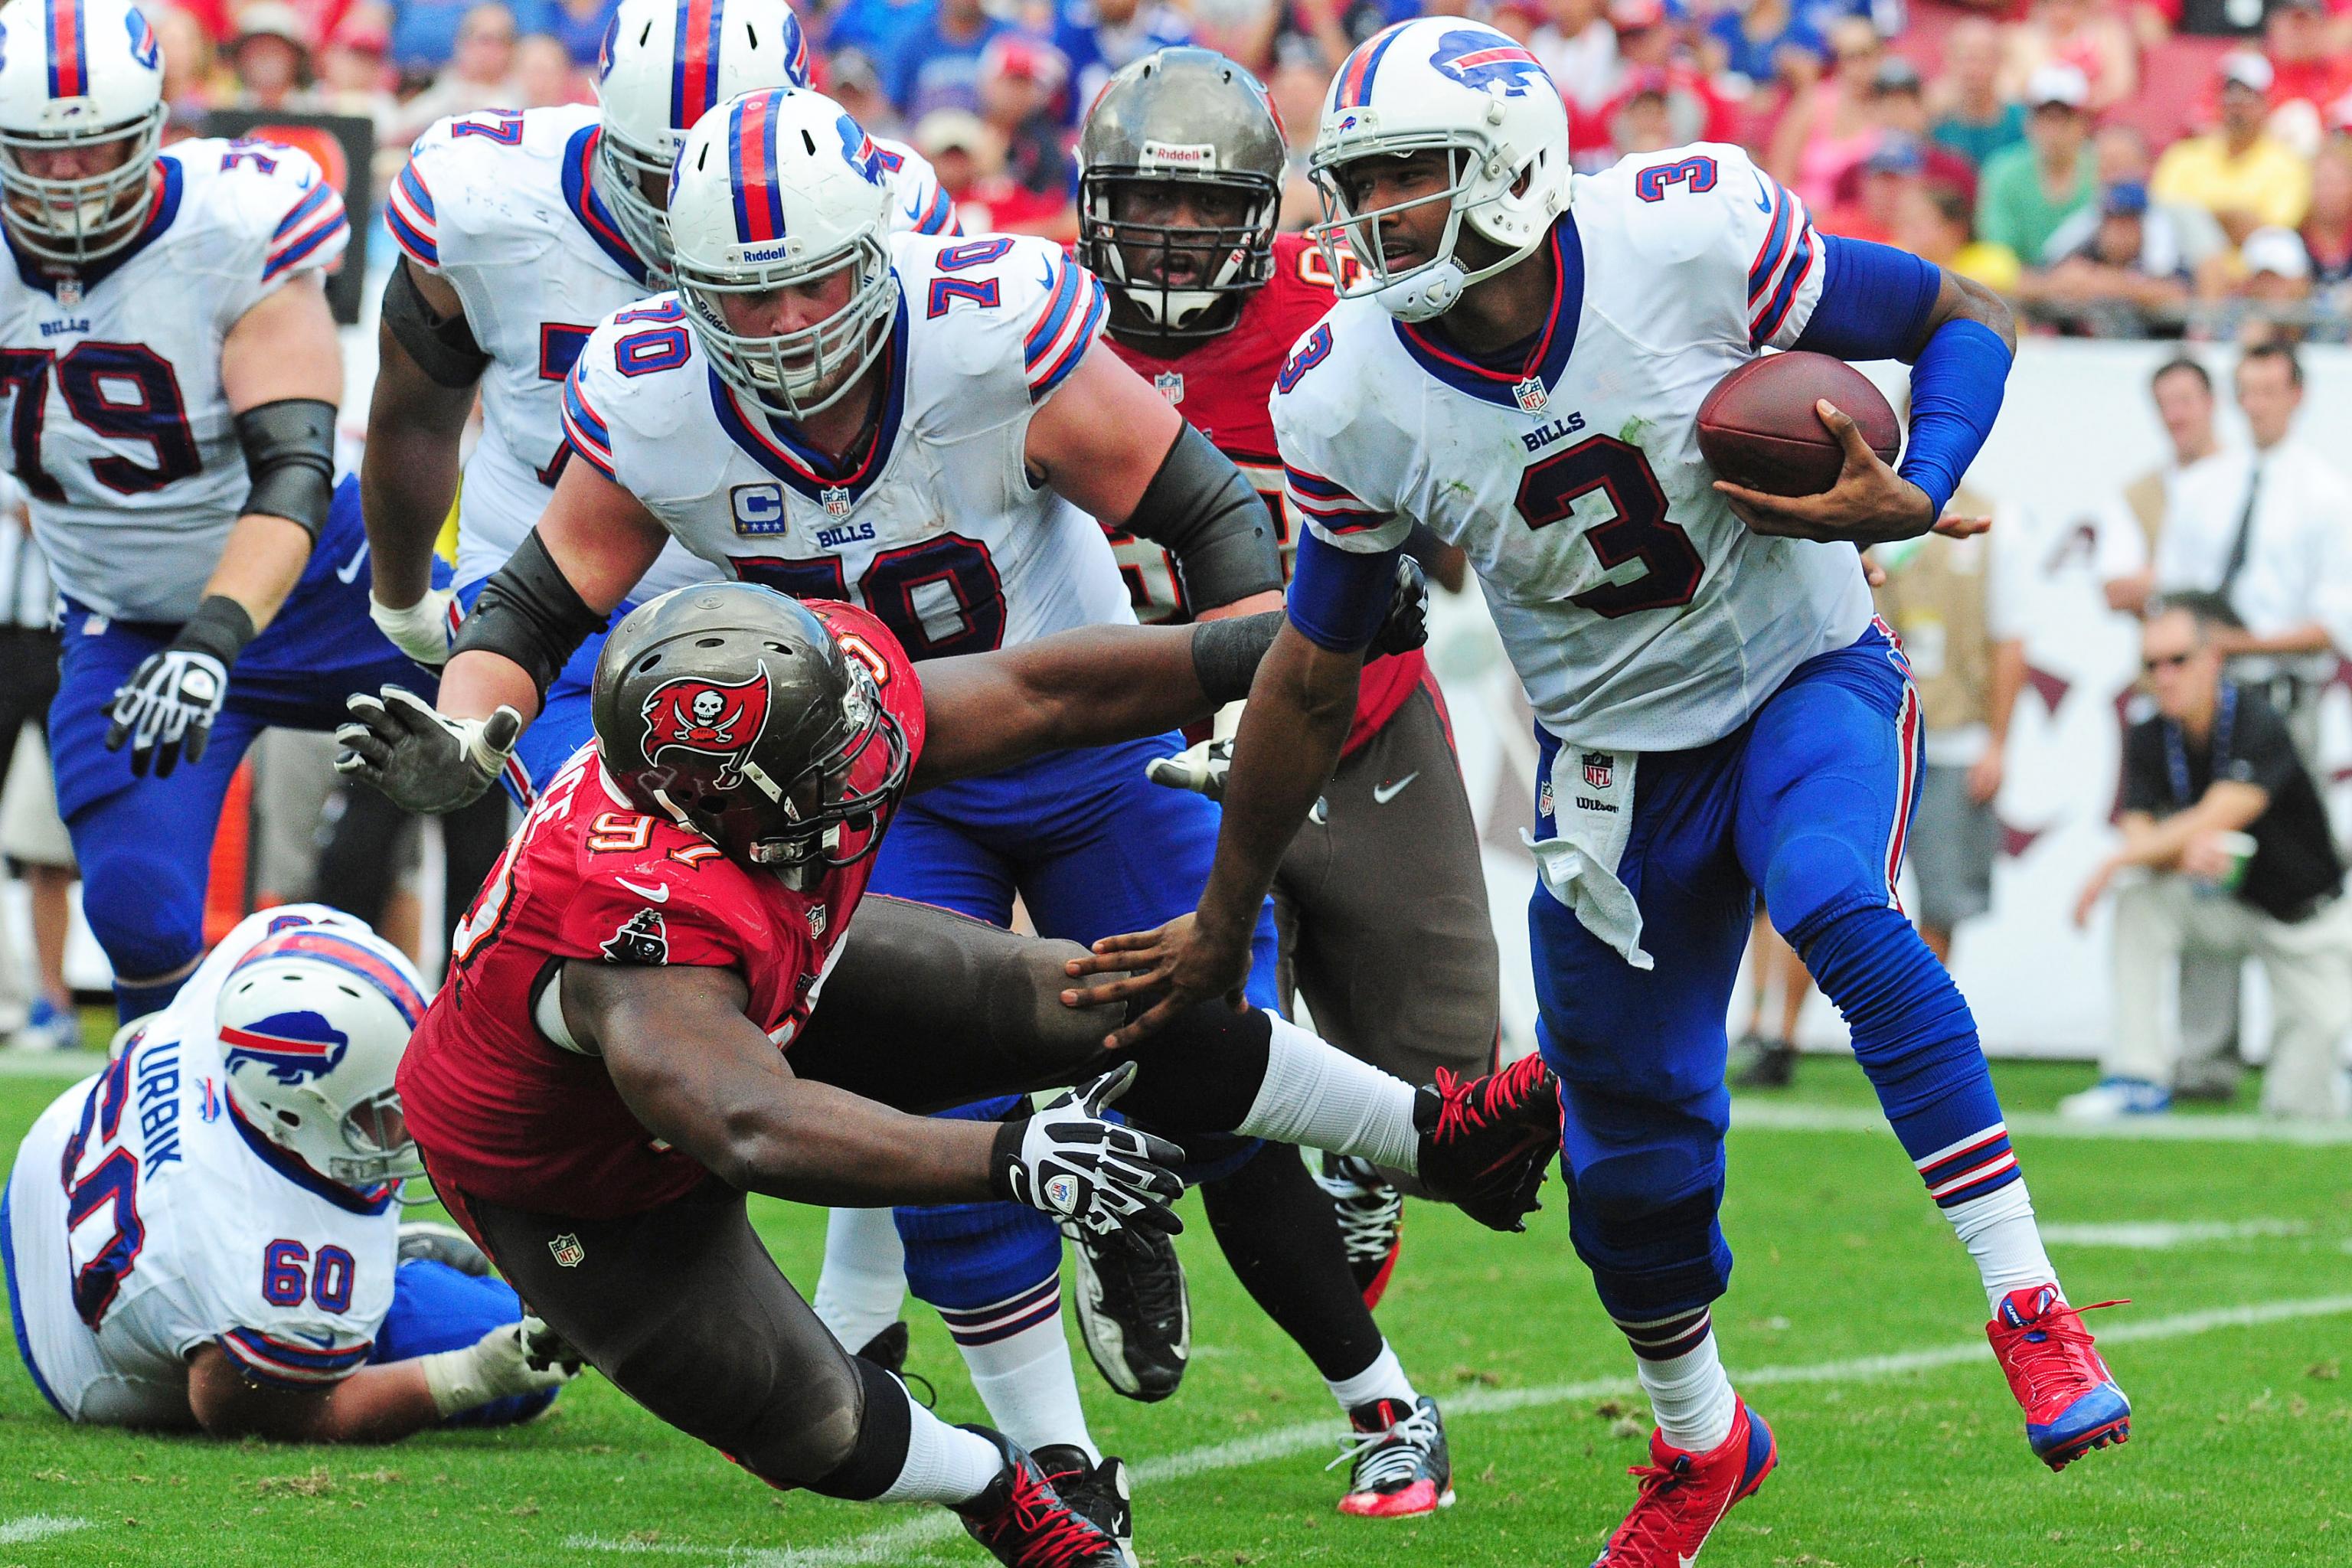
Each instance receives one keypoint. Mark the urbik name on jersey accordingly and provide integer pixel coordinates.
(158, 1099)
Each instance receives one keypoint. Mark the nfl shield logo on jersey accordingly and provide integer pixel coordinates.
(836, 501)
(1531, 394)
(1171, 384)
(817, 923)
(568, 1253)
(69, 291)
(1599, 768)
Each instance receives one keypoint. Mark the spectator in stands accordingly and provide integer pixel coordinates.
(1934, 222)
(425, 35)
(2223, 826)
(875, 27)
(970, 160)
(271, 56)
(857, 86)
(1746, 39)
(189, 87)
(480, 75)
(2274, 289)
(1578, 50)
(351, 75)
(1647, 40)
(2119, 275)
(1099, 37)
(2308, 73)
(2269, 530)
(1879, 185)
(937, 63)
(1023, 84)
(1950, 604)
(2246, 178)
(578, 25)
(2077, 32)
(1642, 118)
(1828, 128)
(1898, 102)
(1972, 118)
(544, 75)
(2327, 227)
(2183, 394)
(2122, 154)
(2027, 192)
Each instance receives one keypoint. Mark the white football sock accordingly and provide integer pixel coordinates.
(1691, 1397)
(944, 1464)
(864, 1276)
(1319, 1095)
(2000, 1233)
(1384, 1379)
(1027, 1381)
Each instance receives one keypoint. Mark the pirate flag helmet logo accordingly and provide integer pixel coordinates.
(693, 713)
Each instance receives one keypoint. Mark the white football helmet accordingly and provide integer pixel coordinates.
(777, 188)
(663, 65)
(312, 1023)
(76, 76)
(1462, 87)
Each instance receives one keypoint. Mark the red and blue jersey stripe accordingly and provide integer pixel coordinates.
(1328, 502)
(315, 222)
(694, 63)
(270, 1359)
(587, 433)
(751, 168)
(68, 50)
(1781, 262)
(409, 214)
(1076, 308)
(1353, 89)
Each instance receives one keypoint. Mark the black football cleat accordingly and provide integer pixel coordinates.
(1401, 1464)
(1099, 1492)
(1134, 1312)
(1372, 1220)
(1027, 1524)
(444, 1244)
(1486, 1142)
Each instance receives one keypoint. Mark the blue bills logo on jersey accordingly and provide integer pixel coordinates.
(291, 1047)
(1475, 60)
(859, 149)
(690, 714)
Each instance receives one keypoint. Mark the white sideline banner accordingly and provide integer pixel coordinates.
(2076, 428)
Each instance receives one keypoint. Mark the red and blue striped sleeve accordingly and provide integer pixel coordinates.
(1784, 276)
(311, 234)
(585, 430)
(409, 214)
(1069, 321)
(290, 1363)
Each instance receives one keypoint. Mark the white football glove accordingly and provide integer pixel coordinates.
(422, 760)
(1100, 1177)
(526, 1357)
(169, 702)
(421, 630)
(1203, 768)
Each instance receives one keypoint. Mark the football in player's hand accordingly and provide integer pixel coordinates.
(1759, 427)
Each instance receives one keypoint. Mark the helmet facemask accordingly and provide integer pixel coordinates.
(1427, 288)
(625, 167)
(832, 822)
(801, 372)
(74, 221)
(1173, 277)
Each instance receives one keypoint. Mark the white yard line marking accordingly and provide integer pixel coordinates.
(2164, 1235)
(1781, 1117)
(39, 1527)
(905, 1542)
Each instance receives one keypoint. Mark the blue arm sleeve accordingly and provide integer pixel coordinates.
(1337, 599)
(1875, 301)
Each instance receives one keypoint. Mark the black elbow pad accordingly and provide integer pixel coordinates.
(289, 453)
(1198, 506)
(529, 613)
(444, 350)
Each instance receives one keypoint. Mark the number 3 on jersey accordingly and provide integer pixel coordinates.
(1637, 530)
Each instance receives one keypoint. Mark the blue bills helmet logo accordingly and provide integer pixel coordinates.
(691, 714)
(144, 50)
(291, 1047)
(1483, 59)
(859, 149)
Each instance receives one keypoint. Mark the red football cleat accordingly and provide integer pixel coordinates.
(1684, 1496)
(2071, 1403)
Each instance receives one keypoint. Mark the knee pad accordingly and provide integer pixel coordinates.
(965, 1256)
(1650, 1260)
(146, 912)
(814, 1435)
(1816, 877)
(1020, 997)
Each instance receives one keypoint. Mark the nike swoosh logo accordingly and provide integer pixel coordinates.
(1383, 794)
(324, 1341)
(656, 894)
(350, 568)
(1763, 193)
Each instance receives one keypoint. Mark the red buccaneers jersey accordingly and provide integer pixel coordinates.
(502, 1104)
(1221, 385)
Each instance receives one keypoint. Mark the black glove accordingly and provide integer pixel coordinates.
(1407, 626)
(1101, 1177)
(172, 699)
(421, 760)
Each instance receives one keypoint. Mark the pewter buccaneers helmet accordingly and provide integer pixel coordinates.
(78, 74)
(1459, 87)
(663, 65)
(735, 713)
(1185, 116)
(774, 189)
(312, 1023)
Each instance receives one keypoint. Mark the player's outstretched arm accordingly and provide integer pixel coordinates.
(426, 370)
(379, 1404)
(703, 1077)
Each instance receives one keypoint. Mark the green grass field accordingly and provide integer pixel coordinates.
(1855, 1325)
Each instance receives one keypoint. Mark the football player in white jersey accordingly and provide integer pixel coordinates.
(170, 370)
(207, 1233)
(918, 426)
(1519, 368)
(518, 233)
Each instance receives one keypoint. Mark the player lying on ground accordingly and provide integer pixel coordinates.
(207, 1234)
(1520, 369)
(601, 1081)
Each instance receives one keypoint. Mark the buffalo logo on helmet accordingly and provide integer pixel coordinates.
(291, 1047)
(706, 717)
(859, 149)
(144, 49)
(1483, 60)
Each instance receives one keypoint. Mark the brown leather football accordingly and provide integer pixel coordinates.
(1757, 427)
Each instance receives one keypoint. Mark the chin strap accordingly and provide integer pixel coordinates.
(1431, 291)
